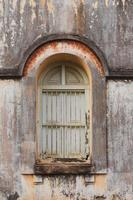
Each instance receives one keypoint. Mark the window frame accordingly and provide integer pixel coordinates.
(83, 86)
(80, 51)
(63, 165)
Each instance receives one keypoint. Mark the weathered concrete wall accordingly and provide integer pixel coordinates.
(10, 106)
(119, 179)
(120, 139)
(109, 24)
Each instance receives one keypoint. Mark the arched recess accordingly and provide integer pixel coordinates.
(79, 54)
(83, 41)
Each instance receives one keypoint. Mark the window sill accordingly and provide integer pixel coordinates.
(57, 168)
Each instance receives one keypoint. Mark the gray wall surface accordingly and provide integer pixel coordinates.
(109, 25)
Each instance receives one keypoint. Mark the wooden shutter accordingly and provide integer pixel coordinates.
(64, 131)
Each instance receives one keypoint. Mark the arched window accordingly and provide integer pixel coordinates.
(68, 116)
(65, 108)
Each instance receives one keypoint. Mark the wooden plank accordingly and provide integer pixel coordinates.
(64, 168)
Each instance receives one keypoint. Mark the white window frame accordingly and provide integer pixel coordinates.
(86, 88)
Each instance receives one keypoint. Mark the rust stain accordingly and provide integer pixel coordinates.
(31, 61)
(50, 6)
(36, 54)
(100, 182)
(42, 2)
(86, 50)
(58, 47)
(28, 187)
(33, 3)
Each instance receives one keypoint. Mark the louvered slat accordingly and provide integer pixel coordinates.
(63, 126)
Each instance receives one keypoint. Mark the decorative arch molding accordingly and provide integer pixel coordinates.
(70, 41)
(68, 50)
(33, 50)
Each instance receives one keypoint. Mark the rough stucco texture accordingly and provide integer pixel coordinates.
(106, 22)
(116, 185)
(120, 136)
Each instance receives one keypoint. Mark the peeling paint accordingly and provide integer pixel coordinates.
(50, 6)
(64, 47)
(33, 3)
(22, 6)
(123, 1)
(107, 3)
(108, 24)
(47, 17)
(116, 185)
(95, 4)
(42, 2)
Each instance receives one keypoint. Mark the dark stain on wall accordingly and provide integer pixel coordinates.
(14, 196)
